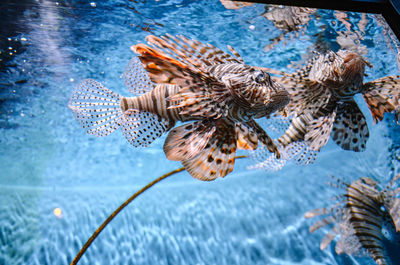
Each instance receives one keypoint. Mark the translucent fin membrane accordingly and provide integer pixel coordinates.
(142, 128)
(136, 78)
(265, 160)
(96, 108)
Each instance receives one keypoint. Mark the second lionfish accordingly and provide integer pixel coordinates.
(322, 105)
(178, 79)
(365, 219)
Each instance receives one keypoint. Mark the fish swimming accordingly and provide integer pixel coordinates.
(322, 105)
(360, 219)
(289, 19)
(175, 79)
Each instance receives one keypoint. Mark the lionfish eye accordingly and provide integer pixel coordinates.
(260, 77)
(331, 57)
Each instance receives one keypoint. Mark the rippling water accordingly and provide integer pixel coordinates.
(47, 161)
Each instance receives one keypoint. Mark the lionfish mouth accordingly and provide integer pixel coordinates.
(278, 100)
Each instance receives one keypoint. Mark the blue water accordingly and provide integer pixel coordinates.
(47, 160)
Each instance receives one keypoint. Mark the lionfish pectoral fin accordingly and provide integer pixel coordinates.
(136, 78)
(382, 95)
(193, 52)
(263, 137)
(350, 130)
(96, 108)
(246, 138)
(160, 67)
(218, 156)
(319, 130)
(321, 223)
(328, 238)
(188, 140)
(141, 128)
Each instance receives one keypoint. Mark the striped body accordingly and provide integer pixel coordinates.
(365, 216)
(360, 218)
(155, 101)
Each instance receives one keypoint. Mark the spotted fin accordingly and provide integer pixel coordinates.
(136, 78)
(188, 140)
(141, 128)
(319, 130)
(300, 153)
(96, 108)
(218, 156)
(350, 130)
(383, 95)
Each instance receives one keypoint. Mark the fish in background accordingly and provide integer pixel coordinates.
(322, 105)
(366, 219)
(390, 38)
(178, 79)
(228, 4)
(292, 20)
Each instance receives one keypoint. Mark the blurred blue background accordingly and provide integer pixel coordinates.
(47, 161)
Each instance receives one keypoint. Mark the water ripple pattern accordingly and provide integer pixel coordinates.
(58, 184)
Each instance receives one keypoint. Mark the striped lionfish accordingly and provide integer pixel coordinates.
(178, 79)
(322, 105)
(288, 19)
(362, 219)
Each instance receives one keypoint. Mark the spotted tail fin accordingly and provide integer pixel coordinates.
(212, 152)
(350, 130)
(99, 112)
(96, 108)
(383, 95)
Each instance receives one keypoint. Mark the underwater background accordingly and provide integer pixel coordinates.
(47, 161)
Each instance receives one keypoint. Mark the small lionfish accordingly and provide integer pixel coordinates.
(362, 219)
(288, 19)
(322, 105)
(195, 82)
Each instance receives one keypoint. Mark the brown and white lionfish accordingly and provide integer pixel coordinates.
(178, 79)
(365, 217)
(290, 19)
(322, 105)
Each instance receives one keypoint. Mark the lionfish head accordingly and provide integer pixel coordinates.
(255, 89)
(342, 70)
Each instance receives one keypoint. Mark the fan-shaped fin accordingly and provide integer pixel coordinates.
(350, 130)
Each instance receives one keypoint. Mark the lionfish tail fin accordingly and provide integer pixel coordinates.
(213, 153)
(382, 95)
(141, 128)
(350, 130)
(96, 108)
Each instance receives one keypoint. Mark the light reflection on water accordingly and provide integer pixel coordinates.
(48, 162)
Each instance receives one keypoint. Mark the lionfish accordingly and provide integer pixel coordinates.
(322, 105)
(288, 19)
(362, 218)
(178, 79)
